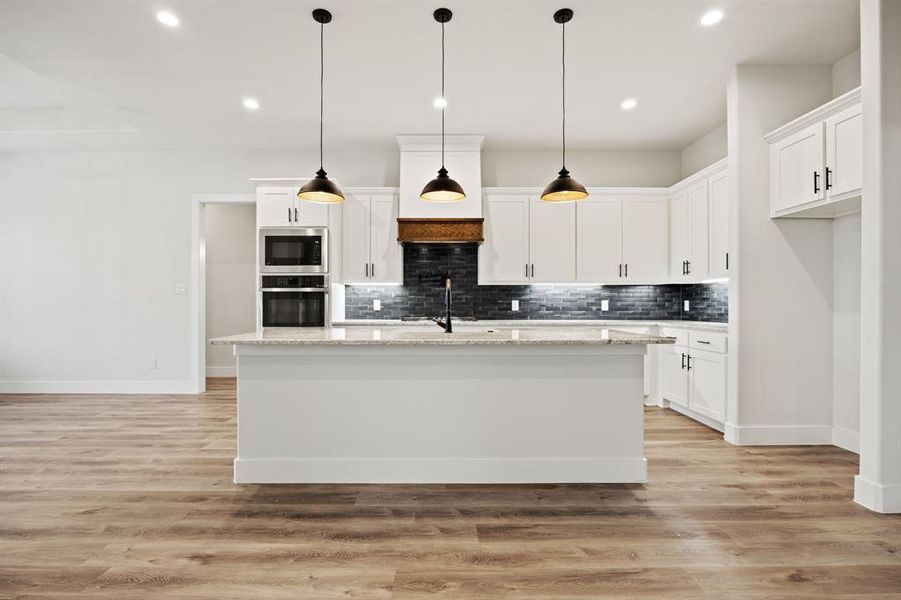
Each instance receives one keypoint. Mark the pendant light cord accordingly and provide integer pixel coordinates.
(321, 85)
(444, 100)
(563, 87)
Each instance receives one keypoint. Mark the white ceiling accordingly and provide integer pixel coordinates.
(91, 74)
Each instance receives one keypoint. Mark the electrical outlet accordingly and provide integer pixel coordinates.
(376, 304)
(685, 306)
(514, 305)
(151, 363)
(181, 289)
(605, 305)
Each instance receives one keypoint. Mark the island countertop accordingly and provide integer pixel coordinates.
(434, 336)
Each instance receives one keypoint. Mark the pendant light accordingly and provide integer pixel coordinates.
(564, 188)
(442, 188)
(321, 189)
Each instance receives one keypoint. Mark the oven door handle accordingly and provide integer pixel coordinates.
(321, 290)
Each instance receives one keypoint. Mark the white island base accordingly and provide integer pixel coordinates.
(504, 413)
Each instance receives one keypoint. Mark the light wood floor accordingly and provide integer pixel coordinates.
(131, 497)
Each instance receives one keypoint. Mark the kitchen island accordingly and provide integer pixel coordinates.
(413, 404)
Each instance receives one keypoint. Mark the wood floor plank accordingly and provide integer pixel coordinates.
(132, 497)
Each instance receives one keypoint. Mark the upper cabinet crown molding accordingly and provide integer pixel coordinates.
(821, 113)
(702, 175)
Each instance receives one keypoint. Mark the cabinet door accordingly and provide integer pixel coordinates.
(645, 239)
(796, 169)
(698, 231)
(718, 186)
(678, 236)
(386, 258)
(552, 242)
(355, 239)
(504, 255)
(275, 206)
(310, 214)
(707, 382)
(844, 152)
(599, 240)
(673, 374)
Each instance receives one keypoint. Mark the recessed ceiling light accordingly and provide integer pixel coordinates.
(711, 17)
(439, 102)
(251, 103)
(628, 104)
(167, 19)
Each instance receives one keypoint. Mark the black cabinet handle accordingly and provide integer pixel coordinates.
(703, 342)
(289, 214)
(627, 269)
(372, 269)
(689, 362)
(367, 270)
(828, 173)
(727, 261)
(620, 269)
(683, 267)
(295, 214)
(688, 267)
(683, 360)
(816, 182)
(527, 269)
(533, 269)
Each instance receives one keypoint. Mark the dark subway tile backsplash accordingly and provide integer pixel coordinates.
(422, 294)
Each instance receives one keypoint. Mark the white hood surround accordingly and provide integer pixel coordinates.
(420, 158)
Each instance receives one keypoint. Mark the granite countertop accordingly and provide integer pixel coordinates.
(529, 323)
(480, 334)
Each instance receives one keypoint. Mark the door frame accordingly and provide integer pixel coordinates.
(198, 279)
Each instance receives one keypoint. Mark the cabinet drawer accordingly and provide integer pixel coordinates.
(681, 335)
(707, 340)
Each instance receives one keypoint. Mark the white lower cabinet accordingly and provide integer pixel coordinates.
(692, 374)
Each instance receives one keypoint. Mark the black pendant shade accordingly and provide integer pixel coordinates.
(442, 188)
(321, 189)
(564, 188)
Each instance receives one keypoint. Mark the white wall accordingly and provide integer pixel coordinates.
(230, 279)
(596, 168)
(93, 245)
(846, 332)
(780, 296)
(846, 74)
(704, 151)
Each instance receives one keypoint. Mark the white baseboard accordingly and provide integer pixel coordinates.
(778, 435)
(222, 371)
(97, 387)
(489, 470)
(877, 497)
(846, 439)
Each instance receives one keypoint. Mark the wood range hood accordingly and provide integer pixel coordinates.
(440, 230)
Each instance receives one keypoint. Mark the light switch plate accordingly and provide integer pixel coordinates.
(376, 304)
(181, 289)
(685, 306)
(605, 305)
(151, 362)
(514, 305)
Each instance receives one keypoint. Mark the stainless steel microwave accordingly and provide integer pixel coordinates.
(294, 250)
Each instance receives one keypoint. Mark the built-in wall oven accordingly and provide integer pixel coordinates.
(294, 250)
(294, 300)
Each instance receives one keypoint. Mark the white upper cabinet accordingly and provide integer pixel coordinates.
(816, 161)
(599, 239)
(698, 232)
(844, 151)
(699, 225)
(718, 202)
(504, 255)
(621, 239)
(279, 206)
(552, 242)
(796, 164)
(371, 252)
(644, 238)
